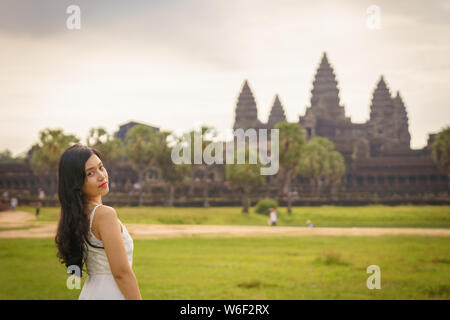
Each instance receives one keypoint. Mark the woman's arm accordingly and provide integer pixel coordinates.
(109, 229)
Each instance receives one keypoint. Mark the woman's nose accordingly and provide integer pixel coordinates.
(102, 176)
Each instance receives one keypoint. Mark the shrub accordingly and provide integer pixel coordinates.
(331, 258)
(440, 290)
(263, 206)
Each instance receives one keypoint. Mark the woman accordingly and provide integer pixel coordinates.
(89, 232)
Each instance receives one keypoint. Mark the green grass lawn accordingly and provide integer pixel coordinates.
(323, 216)
(273, 267)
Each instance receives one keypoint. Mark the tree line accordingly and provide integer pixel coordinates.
(315, 159)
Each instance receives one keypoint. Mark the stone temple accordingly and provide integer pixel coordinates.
(379, 160)
(386, 133)
(380, 165)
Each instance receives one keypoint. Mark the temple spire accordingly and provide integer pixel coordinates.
(245, 87)
(382, 117)
(277, 113)
(382, 84)
(246, 112)
(401, 120)
(324, 62)
(381, 98)
(325, 85)
(325, 102)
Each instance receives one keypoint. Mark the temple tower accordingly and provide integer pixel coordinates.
(382, 113)
(401, 121)
(325, 93)
(325, 116)
(277, 113)
(246, 113)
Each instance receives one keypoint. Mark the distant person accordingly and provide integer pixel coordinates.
(309, 224)
(89, 233)
(273, 217)
(14, 203)
(41, 194)
(5, 201)
(38, 208)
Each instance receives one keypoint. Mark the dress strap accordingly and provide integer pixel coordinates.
(91, 218)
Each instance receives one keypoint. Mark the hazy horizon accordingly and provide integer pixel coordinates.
(179, 64)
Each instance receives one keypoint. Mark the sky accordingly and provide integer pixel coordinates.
(179, 64)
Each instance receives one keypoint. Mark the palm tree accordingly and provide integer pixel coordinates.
(45, 157)
(171, 173)
(140, 147)
(207, 135)
(321, 163)
(441, 149)
(6, 156)
(292, 140)
(244, 178)
(335, 169)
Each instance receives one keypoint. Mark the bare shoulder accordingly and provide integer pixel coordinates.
(105, 219)
(106, 213)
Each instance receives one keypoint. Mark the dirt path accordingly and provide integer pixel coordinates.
(147, 231)
(13, 219)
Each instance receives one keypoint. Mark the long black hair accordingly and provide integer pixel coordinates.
(73, 227)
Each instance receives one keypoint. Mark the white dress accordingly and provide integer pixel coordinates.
(100, 283)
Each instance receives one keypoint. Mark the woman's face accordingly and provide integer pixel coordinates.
(96, 182)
